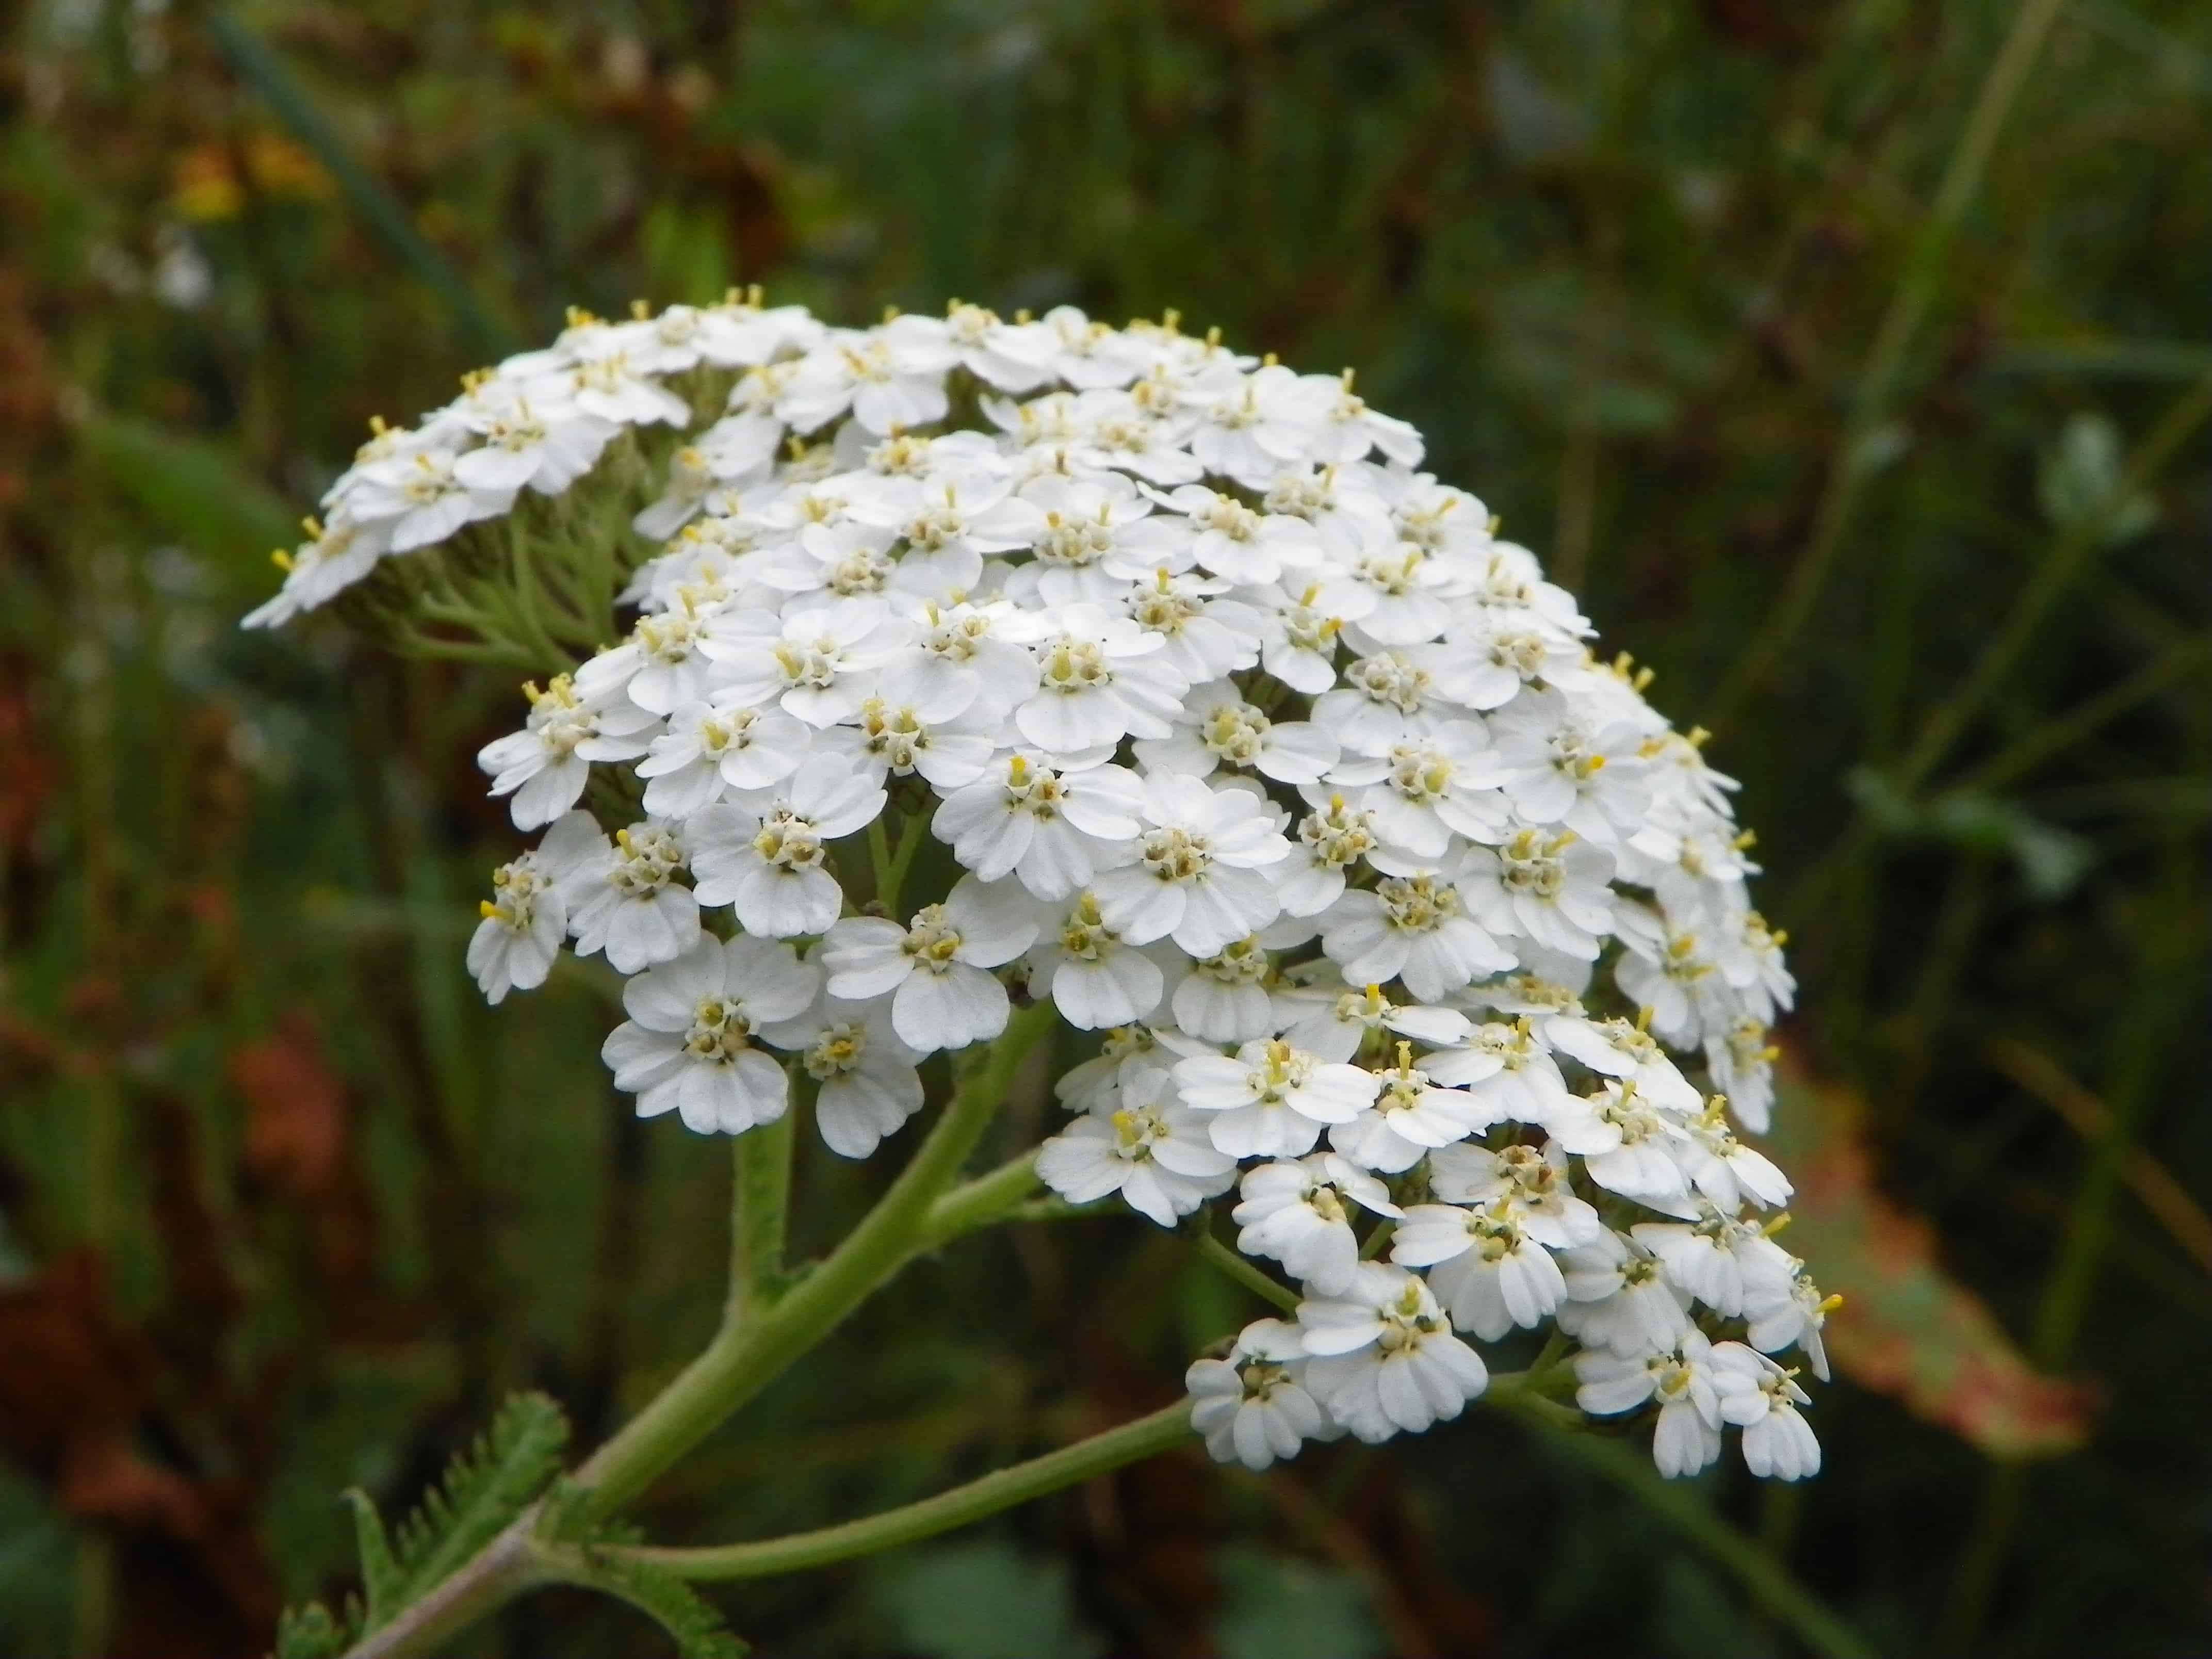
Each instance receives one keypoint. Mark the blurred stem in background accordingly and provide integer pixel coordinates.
(1856, 458)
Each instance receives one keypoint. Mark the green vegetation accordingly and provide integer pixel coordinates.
(1852, 360)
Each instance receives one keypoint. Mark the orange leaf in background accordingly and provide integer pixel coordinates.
(299, 1127)
(296, 1124)
(1906, 1328)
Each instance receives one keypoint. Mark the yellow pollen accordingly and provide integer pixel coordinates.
(1746, 841)
(1643, 1018)
(487, 910)
(1776, 1225)
(281, 559)
(1829, 1304)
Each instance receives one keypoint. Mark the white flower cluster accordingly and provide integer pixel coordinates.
(1244, 742)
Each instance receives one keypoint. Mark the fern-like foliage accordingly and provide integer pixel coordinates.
(690, 1621)
(310, 1632)
(484, 1489)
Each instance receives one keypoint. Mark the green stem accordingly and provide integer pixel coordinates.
(387, 218)
(1766, 1580)
(1908, 309)
(1086, 1460)
(980, 1202)
(2061, 565)
(1237, 1268)
(891, 865)
(741, 1362)
(760, 1202)
(2062, 732)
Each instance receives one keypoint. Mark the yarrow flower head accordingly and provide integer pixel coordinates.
(962, 665)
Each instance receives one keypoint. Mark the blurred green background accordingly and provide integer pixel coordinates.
(1850, 357)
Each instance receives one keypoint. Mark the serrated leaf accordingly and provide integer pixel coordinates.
(309, 1632)
(689, 1620)
(484, 1489)
(382, 1584)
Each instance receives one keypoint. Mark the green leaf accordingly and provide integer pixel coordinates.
(309, 1632)
(2050, 861)
(485, 1488)
(382, 1584)
(984, 1600)
(690, 1621)
(199, 492)
(1275, 1607)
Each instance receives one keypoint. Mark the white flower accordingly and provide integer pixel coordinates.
(1508, 1067)
(1252, 1406)
(424, 499)
(1271, 1100)
(1265, 422)
(1053, 828)
(936, 971)
(1681, 1379)
(662, 665)
(1626, 1145)
(1761, 1398)
(1011, 356)
(1151, 1150)
(1423, 792)
(1527, 1185)
(1722, 1263)
(621, 895)
(1551, 889)
(1093, 686)
(899, 738)
(545, 765)
(543, 444)
(1295, 1213)
(1221, 716)
(1206, 634)
(1329, 1018)
(1795, 1316)
(1228, 539)
(1216, 727)
(946, 526)
(1385, 1359)
(715, 747)
(1740, 1061)
(771, 867)
(334, 556)
(524, 922)
(1222, 998)
(1618, 1049)
(1411, 1117)
(818, 663)
(1558, 770)
(1488, 1273)
(867, 1083)
(1094, 977)
(1619, 1298)
(1197, 875)
(1414, 928)
(1668, 971)
(1727, 1172)
(689, 1044)
(889, 377)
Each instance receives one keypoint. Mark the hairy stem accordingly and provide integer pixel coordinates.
(760, 1201)
(987, 1199)
(1070, 1466)
(743, 1360)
